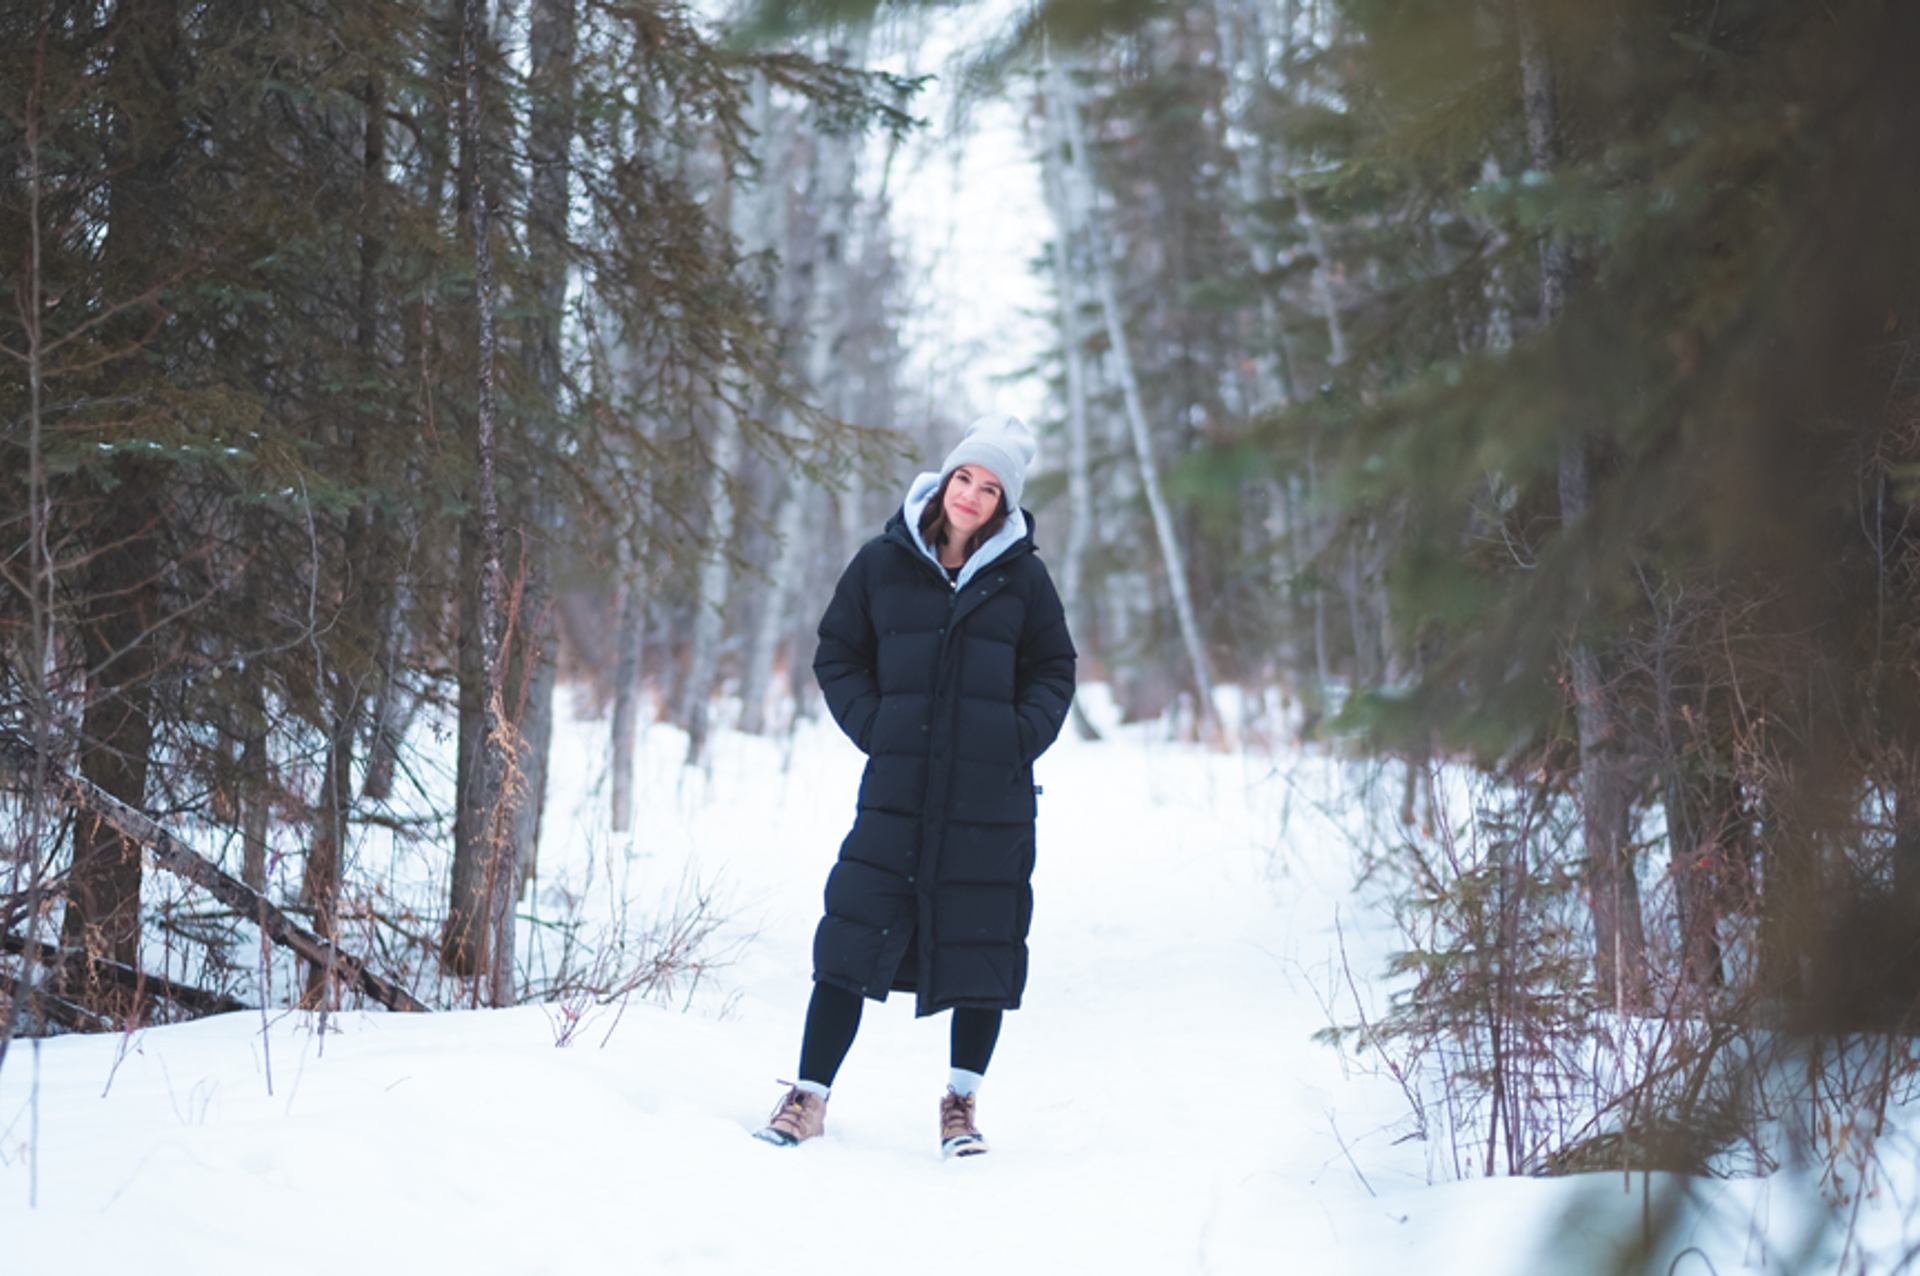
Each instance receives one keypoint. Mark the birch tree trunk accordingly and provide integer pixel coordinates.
(832, 194)
(1253, 178)
(752, 216)
(716, 574)
(615, 367)
(626, 694)
(1063, 97)
(1321, 278)
(1606, 785)
(1074, 356)
(763, 641)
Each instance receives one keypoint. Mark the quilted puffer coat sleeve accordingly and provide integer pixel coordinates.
(844, 662)
(1043, 671)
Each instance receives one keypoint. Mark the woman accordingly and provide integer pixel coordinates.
(945, 656)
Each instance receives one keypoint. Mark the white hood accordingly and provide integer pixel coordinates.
(920, 491)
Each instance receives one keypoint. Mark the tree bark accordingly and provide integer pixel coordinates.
(320, 883)
(41, 595)
(626, 696)
(832, 194)
(1606, 783)
(1906, 832)
(1064, 99)
(256, 806)
(122, 601)
(1073, 353)
(393, 708)
(363, 593)
(532, 675)
(613, 369)
(102, 917)
(1253, 178)
(716, 574)
(479, 936)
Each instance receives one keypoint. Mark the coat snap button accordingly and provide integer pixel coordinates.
(886, 930)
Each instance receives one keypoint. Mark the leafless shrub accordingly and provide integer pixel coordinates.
(605, 966)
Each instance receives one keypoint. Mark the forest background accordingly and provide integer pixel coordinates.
(1515, 394)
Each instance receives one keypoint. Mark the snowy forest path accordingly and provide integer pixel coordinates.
(1157, 1105)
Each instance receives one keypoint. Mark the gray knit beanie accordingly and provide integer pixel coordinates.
(999, 443)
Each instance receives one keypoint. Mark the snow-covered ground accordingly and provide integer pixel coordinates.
(1158, 1106)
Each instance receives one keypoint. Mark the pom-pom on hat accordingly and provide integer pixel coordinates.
(999, 443)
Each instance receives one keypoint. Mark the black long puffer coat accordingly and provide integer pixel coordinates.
(952, 695)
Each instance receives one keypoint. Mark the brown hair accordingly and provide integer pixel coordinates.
(934, 525)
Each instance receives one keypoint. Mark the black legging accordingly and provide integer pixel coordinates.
(833, 1017)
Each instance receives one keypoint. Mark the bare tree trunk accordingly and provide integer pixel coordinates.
(776, 221)
(102, 916)
(464, 946)
(752, 218)
(531, 707)
(1366, 669)
(122, 599)
(479, 937)
(613, 367)
(1064, 98)
(1322, 655)
(626, 696)
(1329, 305)
(1074, 356)
(320, 882)
(716, 574)
(1698, 827)
(1606, 785)
(363, 593)
(1906, 831)
(832, 197)
(392, 708)
(256, 810)
(1254, 180)
(531, 678)
(40, 563)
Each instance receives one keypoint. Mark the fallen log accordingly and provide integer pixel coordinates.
(16, 996)
(198, 1000)
(176, 857)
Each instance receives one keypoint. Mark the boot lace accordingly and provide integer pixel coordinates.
(790, 1116)
(956, 1116)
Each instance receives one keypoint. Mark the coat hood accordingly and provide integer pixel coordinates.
(1016, 529)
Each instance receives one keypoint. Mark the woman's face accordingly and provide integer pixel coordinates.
(973, 494)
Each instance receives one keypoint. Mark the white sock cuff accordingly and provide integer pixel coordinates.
(814, 1087)
(964, 1083)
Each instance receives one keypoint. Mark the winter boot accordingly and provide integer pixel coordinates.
(958, 1135)
(800, 1115)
